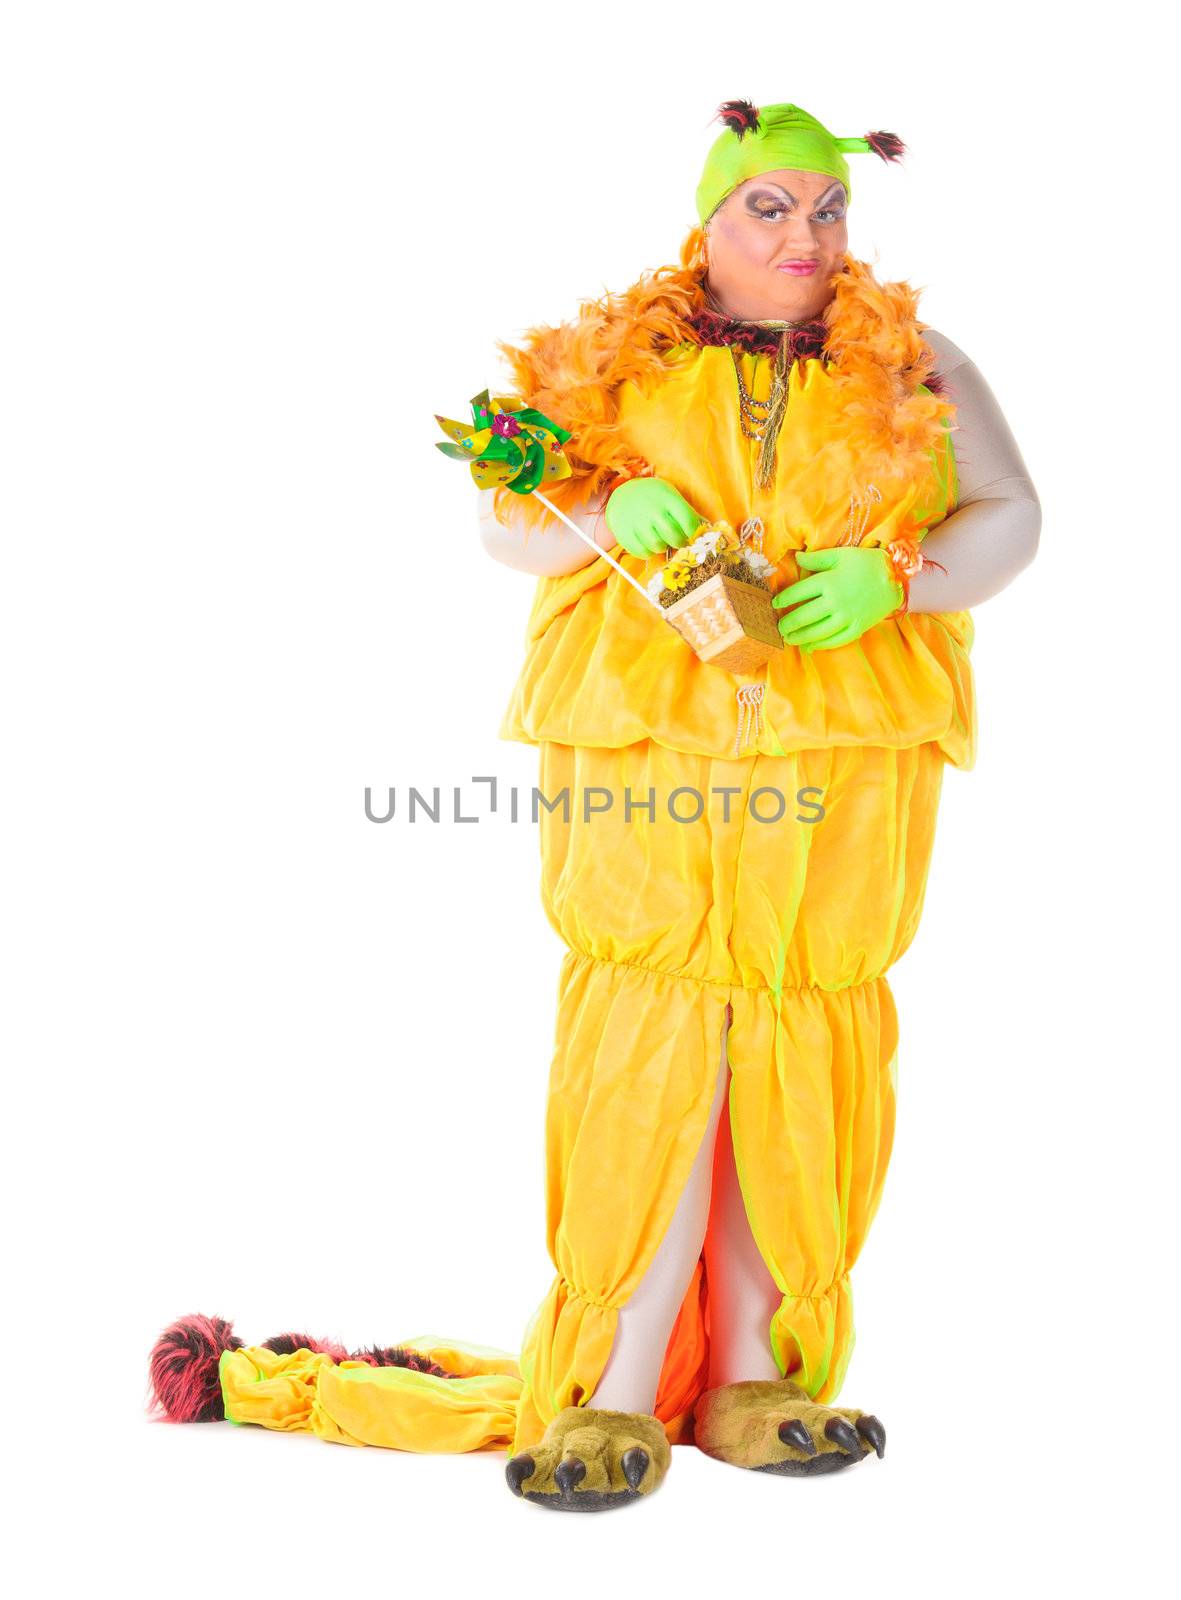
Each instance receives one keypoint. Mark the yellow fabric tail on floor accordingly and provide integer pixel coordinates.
(354, 1403)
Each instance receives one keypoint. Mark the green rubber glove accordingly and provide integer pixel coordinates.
(647, 515)
(848, 590)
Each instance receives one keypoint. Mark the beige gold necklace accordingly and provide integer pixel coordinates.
(752, 413)
(761, 420)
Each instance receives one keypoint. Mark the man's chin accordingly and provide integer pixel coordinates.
(804, 307)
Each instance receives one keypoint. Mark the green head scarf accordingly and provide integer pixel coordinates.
(765, 140)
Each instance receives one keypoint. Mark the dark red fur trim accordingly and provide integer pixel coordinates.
(713, 328)
(740, 116)
(887, 145)
(183, 1368)
(286, 1344)
(395, 1356)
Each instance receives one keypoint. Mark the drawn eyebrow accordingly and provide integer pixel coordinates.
(835, 191)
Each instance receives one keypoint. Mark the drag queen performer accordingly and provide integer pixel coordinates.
(721, 1100)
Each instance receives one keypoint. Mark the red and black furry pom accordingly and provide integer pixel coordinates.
(396, 1356)
(185, 1376)
(740, 116)
(186, 1385)
(887, 145)
(286, 1344)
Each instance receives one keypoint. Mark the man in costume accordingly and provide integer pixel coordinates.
(721, 1099)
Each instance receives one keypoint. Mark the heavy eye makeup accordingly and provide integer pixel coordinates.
(772, 205)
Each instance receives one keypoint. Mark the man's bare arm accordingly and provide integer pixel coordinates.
(993, 532)
(549, 550)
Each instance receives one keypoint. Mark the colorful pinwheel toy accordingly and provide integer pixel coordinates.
(507, 442)
(514, 444)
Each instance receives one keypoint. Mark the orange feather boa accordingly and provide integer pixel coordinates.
(874, 350)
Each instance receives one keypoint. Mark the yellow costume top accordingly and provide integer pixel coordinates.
(601, 669)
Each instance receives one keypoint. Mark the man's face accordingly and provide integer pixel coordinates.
(762, 234)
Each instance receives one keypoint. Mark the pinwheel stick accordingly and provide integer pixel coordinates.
(598, 549)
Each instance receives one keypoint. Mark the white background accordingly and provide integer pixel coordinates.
(269, 1060)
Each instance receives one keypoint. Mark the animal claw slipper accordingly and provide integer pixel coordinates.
(777, 1427)
(590, 1460)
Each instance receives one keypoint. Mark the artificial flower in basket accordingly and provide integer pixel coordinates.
(715, 593)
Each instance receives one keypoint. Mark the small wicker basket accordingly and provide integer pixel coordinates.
(729, 623)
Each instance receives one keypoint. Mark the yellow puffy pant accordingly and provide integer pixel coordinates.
(793, 924)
